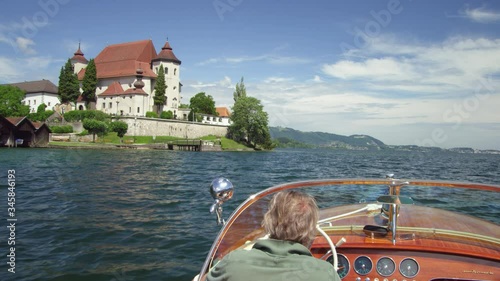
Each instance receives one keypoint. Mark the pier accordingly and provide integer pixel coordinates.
(193, 145)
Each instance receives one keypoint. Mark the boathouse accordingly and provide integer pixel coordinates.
(21, 132)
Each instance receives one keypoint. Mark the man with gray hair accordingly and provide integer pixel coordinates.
(291, 224)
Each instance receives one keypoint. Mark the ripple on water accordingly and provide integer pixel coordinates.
(143, 215)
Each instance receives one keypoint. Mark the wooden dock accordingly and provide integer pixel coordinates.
(193, 145)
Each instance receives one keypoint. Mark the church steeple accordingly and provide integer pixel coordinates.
(167, 55)
(79, 57)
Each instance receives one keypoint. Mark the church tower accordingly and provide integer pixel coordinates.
(78, 60)
(171, 65)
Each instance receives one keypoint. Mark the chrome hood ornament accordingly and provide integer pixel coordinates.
(221, 190)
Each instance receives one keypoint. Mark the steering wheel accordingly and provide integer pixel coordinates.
(335, 261)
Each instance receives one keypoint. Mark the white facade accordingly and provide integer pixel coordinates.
(123, 105)
(35, 99)
(215, 120)
(134, 104)
(172, 83)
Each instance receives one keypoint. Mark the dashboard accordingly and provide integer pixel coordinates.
(358, 264)
(384, 266)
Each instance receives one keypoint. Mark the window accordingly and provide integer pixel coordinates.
(29, 102)
(48, 103)
(130, 110)
(34, 102)
(175, 71)
(103, 105)
(110, 105)
(138, 110)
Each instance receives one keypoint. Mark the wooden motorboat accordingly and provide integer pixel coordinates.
(390, 238)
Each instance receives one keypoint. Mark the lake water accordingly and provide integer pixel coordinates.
(120, 215)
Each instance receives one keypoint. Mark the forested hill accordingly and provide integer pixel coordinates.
(291, 137)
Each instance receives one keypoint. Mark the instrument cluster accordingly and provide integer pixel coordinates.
(384, 266)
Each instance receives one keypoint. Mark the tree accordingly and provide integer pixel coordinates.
(41, 114)
(167, 115)
(160, 88)
(240, 91)
(202, 103)
(250, 122)
(89, 84)
(95, 127)
(69, 87)
(11, 102)
(120, 128)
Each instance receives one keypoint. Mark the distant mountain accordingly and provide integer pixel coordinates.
(288, 137)
(320, 139)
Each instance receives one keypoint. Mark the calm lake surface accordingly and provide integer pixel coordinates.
(120, 215)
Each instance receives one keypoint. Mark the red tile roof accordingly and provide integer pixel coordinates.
(113, 90)
(81, 74)
(40, 86)
(167, 54)
(222, 111)
(135, 91)
(124, 59)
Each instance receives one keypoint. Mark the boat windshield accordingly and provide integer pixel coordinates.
(244, 225)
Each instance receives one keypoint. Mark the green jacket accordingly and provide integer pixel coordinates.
(272, 260)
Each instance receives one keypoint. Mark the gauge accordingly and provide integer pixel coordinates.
(343, 265)
(363, 265)
(408, 268)
(386, 266)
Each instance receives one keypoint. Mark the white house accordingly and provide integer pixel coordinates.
(126, 77)
(222, 117)
(39, 92)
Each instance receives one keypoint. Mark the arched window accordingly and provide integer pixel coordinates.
(175, 71)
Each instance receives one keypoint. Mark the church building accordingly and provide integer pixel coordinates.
(126, 77)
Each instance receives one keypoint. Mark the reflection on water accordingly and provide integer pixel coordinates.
(143, 215)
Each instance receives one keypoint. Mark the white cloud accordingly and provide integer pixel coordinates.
(317, 79)
(226, 82)
(267, 58)
(36, 67)
(9, 70)
(25, 45)
(378, 69)
(482, 15)
(452, 67)
(277, 79)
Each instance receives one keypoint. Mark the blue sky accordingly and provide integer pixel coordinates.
(403, 71)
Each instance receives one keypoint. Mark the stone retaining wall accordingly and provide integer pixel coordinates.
(142, 126)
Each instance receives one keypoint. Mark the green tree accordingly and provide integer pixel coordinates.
(69, 87)
(95, 127)
(11, 102)
(41, 114)
(89, 85)
(250, 122)
(240, 91)
(202, 103)
(160, 88)
(167, 115)
(120, 128)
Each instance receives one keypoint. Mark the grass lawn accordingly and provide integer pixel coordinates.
(113, 139)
